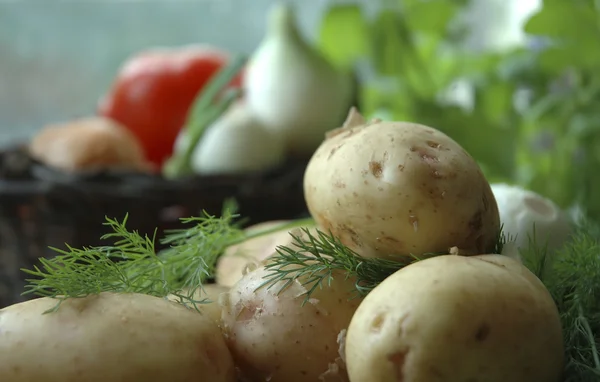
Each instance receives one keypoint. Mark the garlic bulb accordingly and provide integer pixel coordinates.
(292, 88)
(526, 216)
(235, 143)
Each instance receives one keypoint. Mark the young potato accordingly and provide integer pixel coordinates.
(87, 144)
(275, 338)
(454, 319)
(111, 338)
(391, 189)
(212, 292)
(232, 265)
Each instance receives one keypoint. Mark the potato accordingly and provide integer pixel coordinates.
(390, 189)
(88, 143)
(455, 319)
(111, 338)
(232, 264)
(275, 338)
(212, 292)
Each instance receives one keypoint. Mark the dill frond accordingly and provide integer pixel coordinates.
(131, 264)
(572, 276)
(501, 240)
(316, 257)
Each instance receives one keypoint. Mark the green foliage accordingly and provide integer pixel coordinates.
(317, 257)
(549, 141)
(349, 21)
(572, 276)
(130, 263)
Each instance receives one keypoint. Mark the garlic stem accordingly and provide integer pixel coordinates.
(281, 22)
(203, 113)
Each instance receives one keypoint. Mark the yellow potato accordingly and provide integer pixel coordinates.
(111, 338)
(392, 189)
(211, 308)
(232, 265)
(456, 319)
(274, 338)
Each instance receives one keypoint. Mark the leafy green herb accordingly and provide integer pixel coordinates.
(131, 264)
(572, 276)
(501, 240)
(313, 258)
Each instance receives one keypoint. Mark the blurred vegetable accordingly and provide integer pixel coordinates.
(207, 108)
(235, 143)
(530, 219)
(154, 89)
(91, 143)
(560, 132)
(349, 20)
(292, 88)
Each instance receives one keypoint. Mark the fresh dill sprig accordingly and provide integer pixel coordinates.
(316, 257)
(132, 265)
(501, 240)
(193, 252)
(572, 276)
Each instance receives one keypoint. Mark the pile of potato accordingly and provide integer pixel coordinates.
(386, 190)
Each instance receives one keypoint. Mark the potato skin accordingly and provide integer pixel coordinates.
(391, 189)
(212, 292)
(111, 338)
(277, 339)
(88, 143)
(231, 265)
(455, 319)
(234, 261)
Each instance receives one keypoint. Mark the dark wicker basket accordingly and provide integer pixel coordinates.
(41, 207)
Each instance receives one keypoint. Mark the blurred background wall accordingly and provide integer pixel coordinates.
(58, 56)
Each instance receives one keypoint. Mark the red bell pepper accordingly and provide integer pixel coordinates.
(153, 92)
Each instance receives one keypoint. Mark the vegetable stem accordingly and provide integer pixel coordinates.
(591, 338)
(214, 86)
(204, 112)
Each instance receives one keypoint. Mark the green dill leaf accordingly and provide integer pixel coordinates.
(572, 276)
(314, 259)
(501, 240)
(132, 265)
(194, 252)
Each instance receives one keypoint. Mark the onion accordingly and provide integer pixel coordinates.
(292, 88)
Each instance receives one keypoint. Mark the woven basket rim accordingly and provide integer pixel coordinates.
(37, 178)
